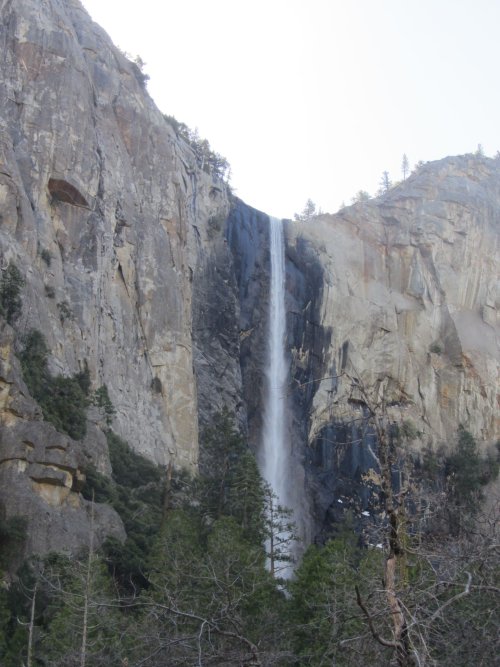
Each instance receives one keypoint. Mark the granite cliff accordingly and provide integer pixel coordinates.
(407, 305)
(105, 212)
(399, 293)
(141, 269)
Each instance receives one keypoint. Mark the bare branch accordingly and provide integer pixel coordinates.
(465, 592)
(375, 634)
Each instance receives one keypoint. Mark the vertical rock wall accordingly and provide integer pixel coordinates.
(105, 213)
(410, 298)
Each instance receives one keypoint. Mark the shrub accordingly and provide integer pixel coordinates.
(65, 312)
(11, 284)
(135, 492)
(409, 430)
(63, 399)
(45, 255)
(102, 400)
(129, 468)
(65, 406)
(34, 363)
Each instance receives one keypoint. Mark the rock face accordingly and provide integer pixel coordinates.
(409, 307)
(138, 267)
(400, 294)
(105, 213)
(41, 470)
(411, 294)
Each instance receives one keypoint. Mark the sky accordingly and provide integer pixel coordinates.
(316, 98)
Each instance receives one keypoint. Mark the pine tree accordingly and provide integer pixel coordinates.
(324, 615)
(385, 182)
(405, 166)
(307, 213)
(281, 534)
(11, 284)
(222, 446)
(84, 625)
(247, 497)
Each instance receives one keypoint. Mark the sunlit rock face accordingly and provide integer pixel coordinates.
(105, 213)
(409, 301)
(92, 174)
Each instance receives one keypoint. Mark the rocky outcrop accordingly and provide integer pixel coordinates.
(42, 471)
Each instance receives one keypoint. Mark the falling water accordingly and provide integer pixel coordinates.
(275, 455)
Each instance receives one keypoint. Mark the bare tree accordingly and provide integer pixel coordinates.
(434, 587)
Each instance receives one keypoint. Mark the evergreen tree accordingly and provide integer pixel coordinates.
(63, 399)
(324, 614)
(405, 166)
(385, 183)
(361, 196)
(84, 627)
(246, 498)
(464, 482)
(11, 284)
(308, 212)
(222, 448)
(280, 532)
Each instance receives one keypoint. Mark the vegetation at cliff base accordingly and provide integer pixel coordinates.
(191, 585)
(135, 491)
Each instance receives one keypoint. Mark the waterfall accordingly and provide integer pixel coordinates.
(275, 450)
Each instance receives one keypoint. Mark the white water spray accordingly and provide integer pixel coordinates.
(275, 454)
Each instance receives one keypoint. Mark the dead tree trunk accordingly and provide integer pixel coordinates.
(396, 555)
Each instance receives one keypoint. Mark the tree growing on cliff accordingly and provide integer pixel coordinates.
(405, 166)
(361, 196)
(11, 285)
(207, 159)
(385, 183)
(63, 399)
(307, 213)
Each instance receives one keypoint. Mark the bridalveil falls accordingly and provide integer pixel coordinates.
(275, 453)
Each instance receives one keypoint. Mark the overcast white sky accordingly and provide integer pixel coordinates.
(315, 98)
